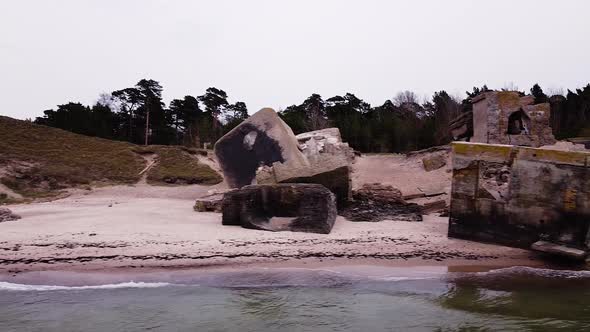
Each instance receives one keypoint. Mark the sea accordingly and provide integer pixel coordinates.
(359, 298)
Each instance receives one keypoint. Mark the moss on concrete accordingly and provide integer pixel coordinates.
(508, 99)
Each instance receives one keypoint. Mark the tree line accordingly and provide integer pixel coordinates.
(404, 123)
(138, 115)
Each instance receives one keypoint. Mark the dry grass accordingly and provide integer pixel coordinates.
(179, 166)
(39, 161)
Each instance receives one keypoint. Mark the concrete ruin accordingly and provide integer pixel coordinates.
(327, 141)
(281, 207)
(262, 139)
(505, 117)
(333, 172)
(264, 150)
(329, 162)
(520, 196)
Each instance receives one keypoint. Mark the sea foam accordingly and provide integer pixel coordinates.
(131, 284)
(536, 272)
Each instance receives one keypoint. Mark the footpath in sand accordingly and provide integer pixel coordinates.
(155, 226)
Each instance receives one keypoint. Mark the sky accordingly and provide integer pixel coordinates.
(277, 53)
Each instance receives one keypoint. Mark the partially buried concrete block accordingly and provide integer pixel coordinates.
(211, 202)
(281, 207)
(262, 139)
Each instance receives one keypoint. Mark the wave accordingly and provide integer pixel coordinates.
(305, 277)
(536, 272)
(391, 278)
(131, 284)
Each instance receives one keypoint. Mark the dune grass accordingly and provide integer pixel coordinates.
(39, 161)
(179, 166)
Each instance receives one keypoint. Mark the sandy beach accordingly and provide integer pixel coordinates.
(145, 226)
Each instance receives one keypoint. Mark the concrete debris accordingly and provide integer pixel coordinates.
(212, 202)
(379, 193)
(325, 141)
(376, 202)
(434, 162)
(438, 206)
(7, 215)
(559, 250)
(281, 207)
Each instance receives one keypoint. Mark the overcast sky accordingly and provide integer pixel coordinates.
(276, 53)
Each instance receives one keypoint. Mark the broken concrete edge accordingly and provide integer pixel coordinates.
(559, 250)
(331, 171)
(440, 148)
(326, 133)
(502, 152)
(307, 208)
(373, 203)
(323, 142)
(434, 162)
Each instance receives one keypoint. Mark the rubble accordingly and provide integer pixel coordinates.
(376, 202)
(434, 162)
(325, 142)
(379, 193)
(7, 215)
(281, 207)
(438, 206)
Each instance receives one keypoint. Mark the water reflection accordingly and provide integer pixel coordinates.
(545, 298)
(284, 300)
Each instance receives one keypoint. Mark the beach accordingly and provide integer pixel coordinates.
(143, 226)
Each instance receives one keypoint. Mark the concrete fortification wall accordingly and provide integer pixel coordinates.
(518, 195)
(505, 117)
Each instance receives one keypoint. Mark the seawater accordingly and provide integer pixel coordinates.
(508, 299)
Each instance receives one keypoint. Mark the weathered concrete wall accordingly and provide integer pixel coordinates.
(262, 139)
(480, 120)
(491, 113)
(518, 195)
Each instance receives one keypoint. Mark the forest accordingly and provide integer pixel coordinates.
(403, 123)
